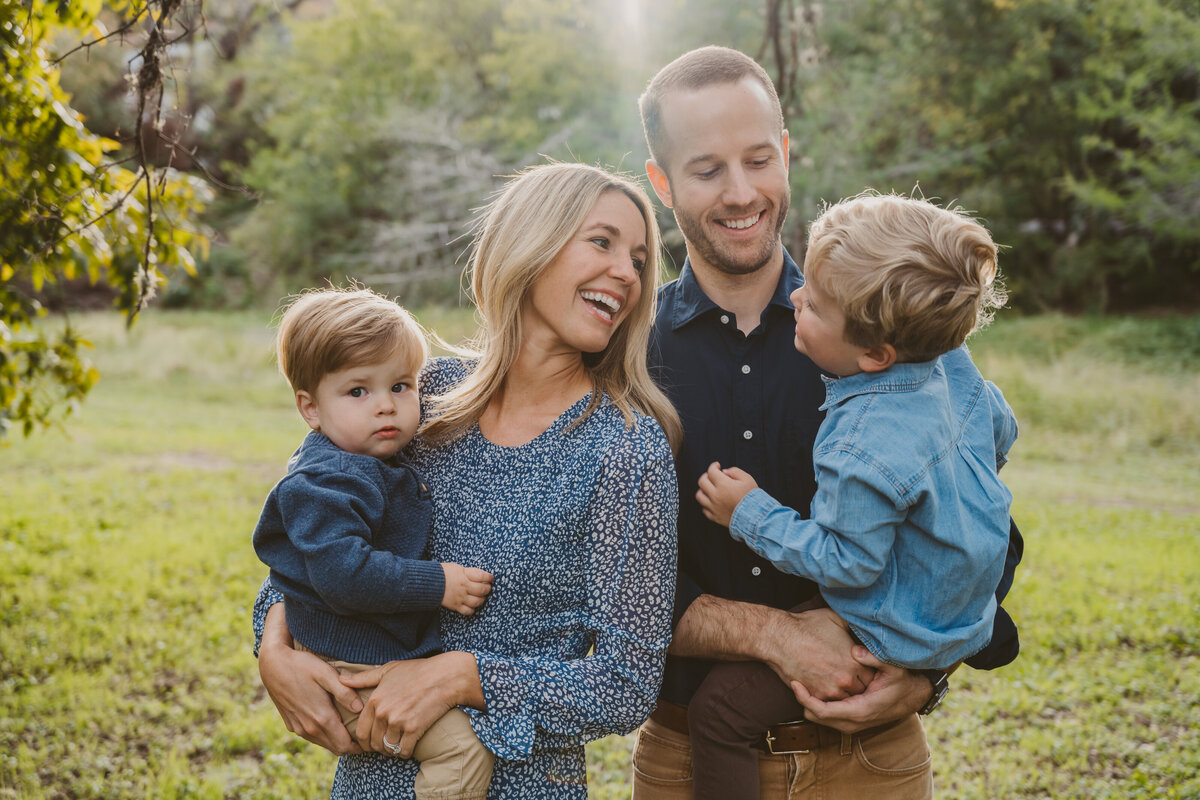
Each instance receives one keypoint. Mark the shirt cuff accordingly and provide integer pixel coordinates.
(743, 525)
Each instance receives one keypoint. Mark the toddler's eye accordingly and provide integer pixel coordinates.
(357, 391)
(399, 387)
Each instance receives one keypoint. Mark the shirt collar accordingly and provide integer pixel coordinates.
(896, 378)
(691, 301)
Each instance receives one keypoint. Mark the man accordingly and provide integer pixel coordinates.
(724, 351)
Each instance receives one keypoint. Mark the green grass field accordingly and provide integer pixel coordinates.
(127, 578)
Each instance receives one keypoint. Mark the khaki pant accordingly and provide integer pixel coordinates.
(454, 763)
(891, 763)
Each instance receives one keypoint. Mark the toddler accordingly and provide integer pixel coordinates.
(346, 532)
(909, 527)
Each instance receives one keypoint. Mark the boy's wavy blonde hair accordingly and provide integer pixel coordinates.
(905, 272)
(516, 237)
(326, 330)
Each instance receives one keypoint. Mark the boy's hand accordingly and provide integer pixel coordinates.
(466, 588)
(721, 490)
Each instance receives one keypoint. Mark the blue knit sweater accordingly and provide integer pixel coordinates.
(346, 537)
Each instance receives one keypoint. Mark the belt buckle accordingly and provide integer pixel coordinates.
(771, 741)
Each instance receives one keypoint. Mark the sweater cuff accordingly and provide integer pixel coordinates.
(425, 584)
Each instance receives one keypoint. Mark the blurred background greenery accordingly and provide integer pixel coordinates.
(290, 141)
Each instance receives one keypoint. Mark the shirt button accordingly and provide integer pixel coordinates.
(745, 369)
(724, 319)
(747, 435)
(756, 572)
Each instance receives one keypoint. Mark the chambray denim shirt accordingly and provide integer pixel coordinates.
(909, 526)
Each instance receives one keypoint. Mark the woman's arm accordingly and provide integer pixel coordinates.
(300, 684)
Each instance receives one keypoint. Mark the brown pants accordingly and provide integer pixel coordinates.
(454, 763)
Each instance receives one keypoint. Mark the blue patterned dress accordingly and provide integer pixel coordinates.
(578, 527)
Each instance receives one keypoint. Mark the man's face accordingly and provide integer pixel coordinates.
(726, 176)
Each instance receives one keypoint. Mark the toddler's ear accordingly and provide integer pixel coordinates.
(307, 407)
(877, 359)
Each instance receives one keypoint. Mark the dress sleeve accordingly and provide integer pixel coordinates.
(627, 616)
(267, 597)
(847, 542)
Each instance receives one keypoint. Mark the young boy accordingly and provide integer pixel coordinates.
(346, 532)
(909, 524)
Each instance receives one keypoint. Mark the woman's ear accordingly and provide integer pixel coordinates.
(659, 182)
(877, 359)
(307, 407)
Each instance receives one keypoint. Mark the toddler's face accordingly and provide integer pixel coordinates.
(371, 410)
(820, 331)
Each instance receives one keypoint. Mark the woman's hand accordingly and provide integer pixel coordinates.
(300, 685)
(410, 696)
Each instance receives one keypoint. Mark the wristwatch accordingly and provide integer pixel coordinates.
(941, 685)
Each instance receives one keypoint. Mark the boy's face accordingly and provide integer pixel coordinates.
(820, 331)
(371, 410)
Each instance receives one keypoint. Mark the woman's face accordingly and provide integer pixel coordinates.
(593, 283)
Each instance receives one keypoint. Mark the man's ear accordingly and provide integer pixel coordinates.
(787, 151)
(658, 180)
(307, 407)
(877, 359)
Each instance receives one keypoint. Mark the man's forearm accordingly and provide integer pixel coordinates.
(722, 630)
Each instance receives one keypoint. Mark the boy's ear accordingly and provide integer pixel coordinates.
(877, 359)
(307, 407)
(658, 180)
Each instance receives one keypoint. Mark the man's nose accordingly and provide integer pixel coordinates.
(739, 191)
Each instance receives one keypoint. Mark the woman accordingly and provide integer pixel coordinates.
(549, 467)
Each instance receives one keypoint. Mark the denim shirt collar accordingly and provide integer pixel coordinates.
(691, 301)
(896, 378)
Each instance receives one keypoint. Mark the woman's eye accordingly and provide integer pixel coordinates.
(357, 391)
(639, 264)
(600, 241)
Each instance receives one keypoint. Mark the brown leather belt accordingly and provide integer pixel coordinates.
(781, 739)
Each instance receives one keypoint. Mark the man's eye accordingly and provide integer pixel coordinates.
(357, 391)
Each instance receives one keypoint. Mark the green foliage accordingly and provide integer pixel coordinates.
(125, 665)
(67, 211)
(1072, 127)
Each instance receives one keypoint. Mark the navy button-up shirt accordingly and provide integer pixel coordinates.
(751, 402)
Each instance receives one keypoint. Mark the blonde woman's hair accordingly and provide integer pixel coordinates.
(905, 272)
(326, 330)
(515, 238)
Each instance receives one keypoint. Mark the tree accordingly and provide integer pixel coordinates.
(72, 205)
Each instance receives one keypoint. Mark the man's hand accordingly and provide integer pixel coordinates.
(893, 694)
(721, 490)
(466, 588)
(814, 649)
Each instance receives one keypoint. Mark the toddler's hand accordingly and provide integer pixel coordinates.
(466, 588)
(721, 490)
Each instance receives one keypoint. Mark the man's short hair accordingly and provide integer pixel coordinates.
(697, 69)
(905, 272)
(327, 330)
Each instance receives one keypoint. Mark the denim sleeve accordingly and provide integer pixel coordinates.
(846, 543)
(630, 581)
